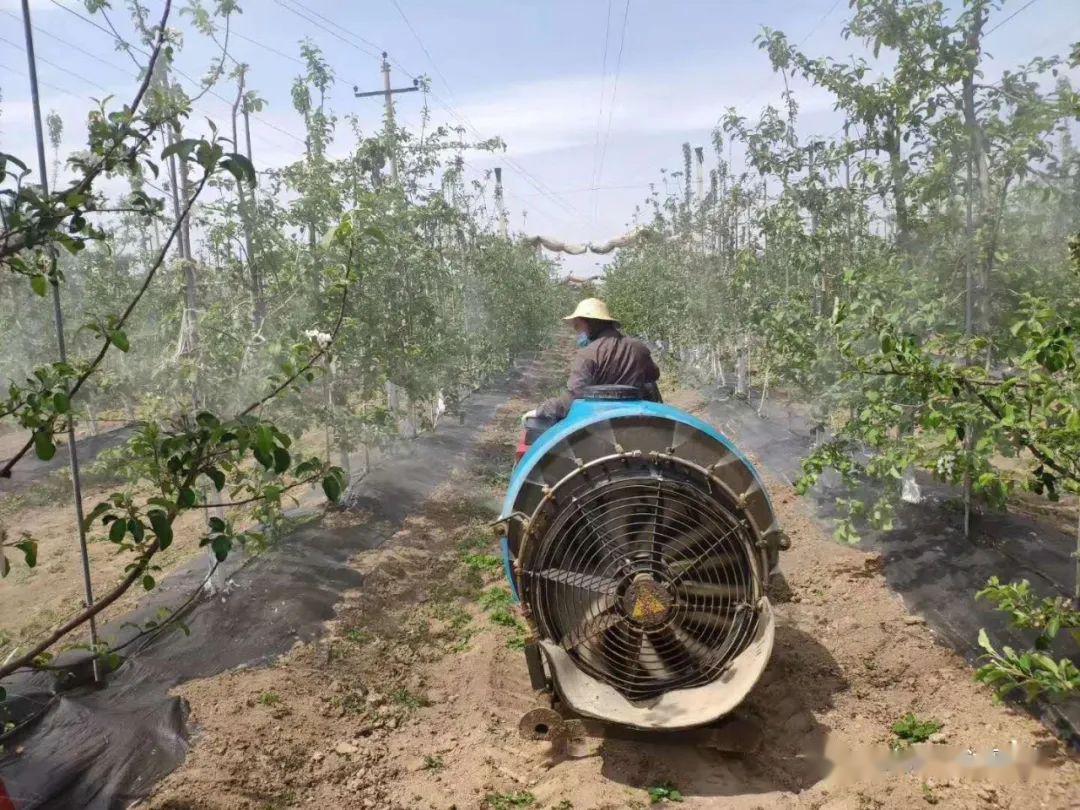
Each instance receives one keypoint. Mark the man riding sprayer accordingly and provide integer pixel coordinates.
(606, 357)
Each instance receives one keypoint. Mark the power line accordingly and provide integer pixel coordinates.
(45, 61)
(72, 45)
(528, 176)
(817, 25)
(194, 82)
(600, 105)
(423, 47)
(1022, 8)
(18, 72)
(330, 31)
(614, 92)
(272, 50)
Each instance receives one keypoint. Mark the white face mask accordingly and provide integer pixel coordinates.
(583, 339)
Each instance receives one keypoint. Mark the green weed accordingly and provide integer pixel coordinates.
(482, 562)
(270, 699)
(910, 729)
(666, 792)
(507, 801)
(403, 697)
(433, 763)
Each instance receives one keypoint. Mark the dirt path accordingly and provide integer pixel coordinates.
(412, 698)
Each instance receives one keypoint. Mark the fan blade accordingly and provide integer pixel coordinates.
(593, 583)
(710, 590)
(590, 626)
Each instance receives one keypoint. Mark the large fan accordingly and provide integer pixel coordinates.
(643, 577)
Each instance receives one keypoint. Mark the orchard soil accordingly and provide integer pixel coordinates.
(411, 698)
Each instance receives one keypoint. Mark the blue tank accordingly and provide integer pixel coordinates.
(639, 543)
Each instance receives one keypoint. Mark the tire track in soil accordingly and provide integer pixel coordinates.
(411, 698)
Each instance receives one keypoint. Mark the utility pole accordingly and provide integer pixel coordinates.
(58, 318)
(387, 93)
(699, 173)
(500, 203)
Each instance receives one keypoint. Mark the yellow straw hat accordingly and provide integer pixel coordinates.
(592, 308)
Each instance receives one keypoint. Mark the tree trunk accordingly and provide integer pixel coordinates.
(258, 298)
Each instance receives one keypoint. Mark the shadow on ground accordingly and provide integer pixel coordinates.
(801, 680)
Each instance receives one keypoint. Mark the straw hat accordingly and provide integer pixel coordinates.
(592, 308)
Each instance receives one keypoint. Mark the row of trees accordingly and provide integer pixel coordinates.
(915, 275)
(226, 311)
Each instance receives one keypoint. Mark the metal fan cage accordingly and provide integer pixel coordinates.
(646, 579)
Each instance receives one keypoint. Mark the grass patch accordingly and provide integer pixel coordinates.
(494, 598)
(504, 618)
(270, 699)
(433, 763)
(507, 801)
(358, 636)
(910, 729)
(354, 703)
(666, 792)
(482, 562)
(403, 697)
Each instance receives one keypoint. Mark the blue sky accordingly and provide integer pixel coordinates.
(532, 72)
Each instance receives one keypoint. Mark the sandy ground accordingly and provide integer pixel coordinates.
(412, 698)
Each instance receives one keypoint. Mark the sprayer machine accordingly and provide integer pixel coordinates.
(639, 543)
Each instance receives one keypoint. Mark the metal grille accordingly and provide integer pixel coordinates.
(648, 582)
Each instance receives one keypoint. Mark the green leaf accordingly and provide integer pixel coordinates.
(43, 445)
(95, 513)
(239, 167)
(217, 524)
(186, 498)
(984, 642)
(117, 530)
(162, 528)
(119, 339)
(331, 485)
(39, 285)
(5, 566)
(217, 476)
(29, 548)
(61, 402)
(148, 582)
(263, 457)
(282, 459)
(221, 545)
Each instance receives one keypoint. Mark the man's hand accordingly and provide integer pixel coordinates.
(527, 415)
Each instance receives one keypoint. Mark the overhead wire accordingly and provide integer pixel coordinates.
(529, 178)
(50, 63)
(423, 47)
(1020, 10)
(600, 104)
(614, 93)
(322, 27)
(194, 82)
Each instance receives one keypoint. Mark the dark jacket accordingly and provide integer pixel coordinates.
(611, 358)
